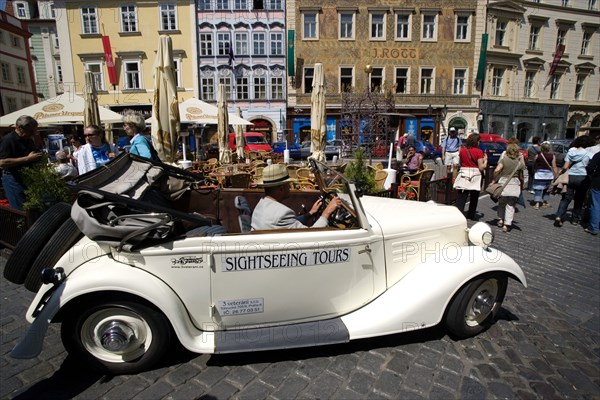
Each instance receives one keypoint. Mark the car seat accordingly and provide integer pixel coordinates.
(245, 217)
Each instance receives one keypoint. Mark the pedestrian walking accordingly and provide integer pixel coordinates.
(593, 171)
(544, 167)
(473, 162)
(509, 172)
(450, 146)
(532, 152)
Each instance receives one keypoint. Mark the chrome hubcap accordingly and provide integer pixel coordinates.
(482, 302)
(117, 336)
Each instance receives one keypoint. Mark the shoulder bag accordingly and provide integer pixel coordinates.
(495, 189)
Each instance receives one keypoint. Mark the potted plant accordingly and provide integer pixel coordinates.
(363, 176)
(43, 188)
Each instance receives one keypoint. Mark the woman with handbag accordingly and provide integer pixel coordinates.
(473, 161)
(545, 169)
(509, 173)
(575, 162)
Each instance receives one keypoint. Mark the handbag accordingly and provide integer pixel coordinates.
(495, 189)
(559, 184)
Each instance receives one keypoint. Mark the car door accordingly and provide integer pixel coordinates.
(292, 276)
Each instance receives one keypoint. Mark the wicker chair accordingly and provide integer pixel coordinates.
(303, 174)
(418, 183)
(241, 180)
(380, 177)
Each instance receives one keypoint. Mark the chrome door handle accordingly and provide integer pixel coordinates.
(366, 250)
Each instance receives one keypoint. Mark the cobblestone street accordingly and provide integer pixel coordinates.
(545, 344)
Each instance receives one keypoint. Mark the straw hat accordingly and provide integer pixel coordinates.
(275, 175)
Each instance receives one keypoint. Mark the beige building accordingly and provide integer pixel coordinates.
(133, 29)
(421, 53)
(542, 74)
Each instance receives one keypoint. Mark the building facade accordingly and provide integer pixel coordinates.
(118, 41)
(542, 74)
(242, 44)
(421, 55)
(17, 79)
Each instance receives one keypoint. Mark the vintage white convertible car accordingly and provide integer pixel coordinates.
(155, 256)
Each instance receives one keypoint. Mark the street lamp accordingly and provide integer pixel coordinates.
(513, 127)
(544, 130)
(368, 70)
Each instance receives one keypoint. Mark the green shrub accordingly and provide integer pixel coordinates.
(43, 186)
(363, 176)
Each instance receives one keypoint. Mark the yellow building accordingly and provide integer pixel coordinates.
(133, 30)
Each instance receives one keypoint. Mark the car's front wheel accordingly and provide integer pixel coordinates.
(475, 306)
(116, 337)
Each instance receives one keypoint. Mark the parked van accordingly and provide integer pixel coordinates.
(253, 141)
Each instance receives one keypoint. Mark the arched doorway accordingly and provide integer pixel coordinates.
(497, 127)
(524, 132)
(460, 124)
(263, 126)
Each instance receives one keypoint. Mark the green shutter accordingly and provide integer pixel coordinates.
(291, 57)
(482, 58)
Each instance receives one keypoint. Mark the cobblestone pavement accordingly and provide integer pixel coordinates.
(545, 344)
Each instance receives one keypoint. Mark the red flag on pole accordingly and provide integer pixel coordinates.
(110, 63)
(560, 50)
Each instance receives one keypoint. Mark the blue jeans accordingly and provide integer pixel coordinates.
(14, 190)
(595, 211)
(540, 195)
(576, 189)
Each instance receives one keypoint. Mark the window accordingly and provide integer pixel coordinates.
(500, 33)
(59, 73)
(128, 19)
(346, 25)
(534, 37)
(6, 75)
(204, 5)
(401, 80)
(227, 82)
(377, 26)
(429, 31)
(15, 41)
(579, 85)
(240, 4)
(276, 43)
(377, 80)
(21, 10)
(310, 26)
(206, 45)
(168, 17)
(346, 79)
(260, 88)
(52, 10)
(275, 4)
(555, 86)
(403, 26)
(222, 4)
(207, 88)
(561, 36)
(309, 74)
(177, 67)
(565, 3)
(426, 80)
(242, 88)
(11, 104)
(222, 43)
(241, 43)
(96, 69)
(132, 74)
(585, 42)
(54, 38)
(529, 90)
(497, 78)
(259, 40)
(277, 88)
(591, 4)
(89, 20)
(462, 28)
(460, 81)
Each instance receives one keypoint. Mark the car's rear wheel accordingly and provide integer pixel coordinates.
(116, 337)
(27, 249)
(475, 306)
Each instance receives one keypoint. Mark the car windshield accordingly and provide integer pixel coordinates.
(255, 139)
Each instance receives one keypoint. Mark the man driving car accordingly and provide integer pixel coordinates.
(270, 213)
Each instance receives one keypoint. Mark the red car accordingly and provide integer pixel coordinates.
(490, 137)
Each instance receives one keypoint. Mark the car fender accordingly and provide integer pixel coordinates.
(107, 275)
(420, 298)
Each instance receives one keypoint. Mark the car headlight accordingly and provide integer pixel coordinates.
(481, 234)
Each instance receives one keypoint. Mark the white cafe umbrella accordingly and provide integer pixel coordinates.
(317, 114)
(91, 112)
(68, 108)
(223, 126)
(239, 137)
(165, 110)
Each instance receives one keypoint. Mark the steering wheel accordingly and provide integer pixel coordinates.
(343, 217)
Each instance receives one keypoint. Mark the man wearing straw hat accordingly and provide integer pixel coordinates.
(270, 213)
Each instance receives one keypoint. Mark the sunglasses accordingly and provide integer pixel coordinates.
(90, 134)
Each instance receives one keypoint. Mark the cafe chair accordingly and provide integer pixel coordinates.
(380, 177)
(303, 174)
(418, 183)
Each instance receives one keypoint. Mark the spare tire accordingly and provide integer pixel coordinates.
(33, 241)
(65, 237)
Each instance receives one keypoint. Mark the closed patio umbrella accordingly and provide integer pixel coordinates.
(239, 137)
(223, 126)
(165, 107)
(317, 115)
(91, 111)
